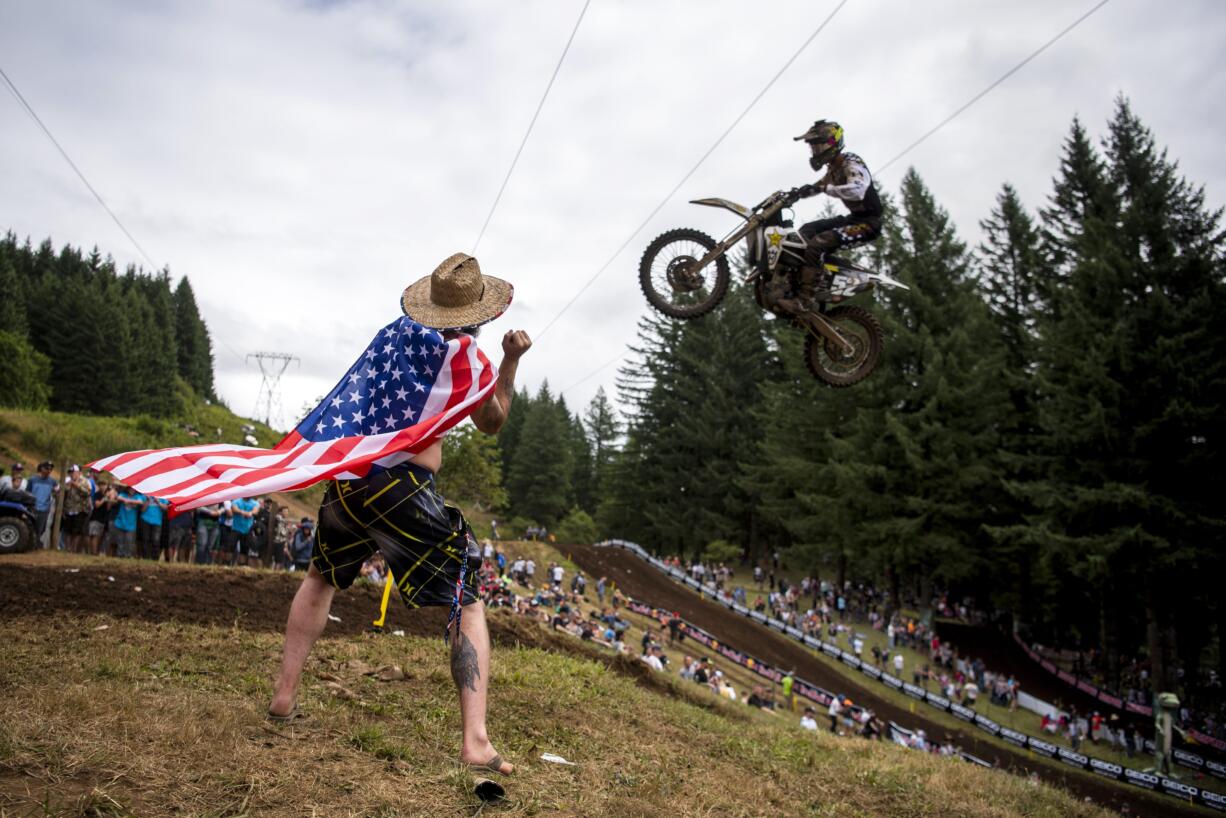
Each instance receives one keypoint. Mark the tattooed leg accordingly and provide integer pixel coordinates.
(464, 668)
(470, 669)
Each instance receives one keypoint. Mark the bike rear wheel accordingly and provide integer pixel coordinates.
(670, 283)
(832, 365)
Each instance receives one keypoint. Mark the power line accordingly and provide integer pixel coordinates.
(30, 110)
(692, 170)
(596, 371)
(999, 80)
(528, 133)
(902, 153)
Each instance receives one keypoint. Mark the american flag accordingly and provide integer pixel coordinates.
(402, 393)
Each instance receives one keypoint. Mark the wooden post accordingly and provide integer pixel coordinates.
(57, 497)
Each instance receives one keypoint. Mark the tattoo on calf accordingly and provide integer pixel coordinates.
(464, 663)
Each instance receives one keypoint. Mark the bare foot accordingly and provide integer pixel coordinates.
(484, 757)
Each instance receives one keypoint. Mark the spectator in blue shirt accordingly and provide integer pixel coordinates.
(244, 510)
(302, 544)
(44, 487)
(122, 531)
(150, 533)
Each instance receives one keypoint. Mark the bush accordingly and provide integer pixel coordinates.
(577, 527)
(721, 551)
(24, 374)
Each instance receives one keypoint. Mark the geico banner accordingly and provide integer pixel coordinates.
(1188, 759)
(1073, 759)
(1179, 789)
(984, 723)
(1013, 737)
(1106, 769)
(1213, 800)
(1140, 779)
(1043, 748)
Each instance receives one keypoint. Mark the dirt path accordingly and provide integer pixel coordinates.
(645, 583)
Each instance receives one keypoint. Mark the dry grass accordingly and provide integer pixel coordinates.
(163, 720)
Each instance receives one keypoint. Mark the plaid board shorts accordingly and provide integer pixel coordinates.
(400, 513)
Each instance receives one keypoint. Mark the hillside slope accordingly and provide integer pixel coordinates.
(639, 580)
(154, 708)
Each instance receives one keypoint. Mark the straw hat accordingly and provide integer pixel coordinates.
(456, 295)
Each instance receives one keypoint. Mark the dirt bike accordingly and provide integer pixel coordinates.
(684, 274)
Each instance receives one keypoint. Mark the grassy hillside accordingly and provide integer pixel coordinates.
(32, 436)
(58, 435)
(106, 716)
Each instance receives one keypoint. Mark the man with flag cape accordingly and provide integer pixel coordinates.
(377, 437)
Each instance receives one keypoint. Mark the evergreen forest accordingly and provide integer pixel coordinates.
(76, 335)
(1043, 435)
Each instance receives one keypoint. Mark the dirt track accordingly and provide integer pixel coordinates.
(645, 583)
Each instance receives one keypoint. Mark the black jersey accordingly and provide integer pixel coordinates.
(851, 182)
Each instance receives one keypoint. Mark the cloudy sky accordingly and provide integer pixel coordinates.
(302, 162)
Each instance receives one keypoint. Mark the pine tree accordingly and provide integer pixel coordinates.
(508, 436)
(12, 298)
(1014, 282)
(603, 429)
(195, 354)
(1133, 374)
(690, 389)
(538, 483)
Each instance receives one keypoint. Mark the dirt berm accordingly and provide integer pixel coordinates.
(645, 583)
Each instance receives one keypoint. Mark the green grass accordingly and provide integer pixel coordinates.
(136, 741)
(60, 436)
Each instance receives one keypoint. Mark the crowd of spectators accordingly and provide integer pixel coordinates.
(107, 518)
(1201, 694)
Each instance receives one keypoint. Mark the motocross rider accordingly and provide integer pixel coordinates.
(846, 178)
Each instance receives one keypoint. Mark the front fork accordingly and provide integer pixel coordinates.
(822, 327)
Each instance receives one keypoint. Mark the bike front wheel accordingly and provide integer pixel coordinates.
(835, 366)
(669, 280)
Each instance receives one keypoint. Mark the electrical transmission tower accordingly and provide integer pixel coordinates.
(272, 367)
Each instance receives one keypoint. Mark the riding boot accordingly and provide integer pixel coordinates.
(814, 284)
